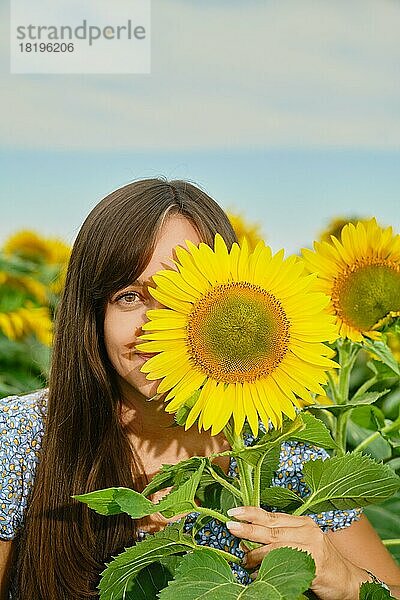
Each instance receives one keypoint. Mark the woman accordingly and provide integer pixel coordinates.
(99, 431)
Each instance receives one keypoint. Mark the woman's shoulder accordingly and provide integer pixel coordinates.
(23, 413)
(21, 431)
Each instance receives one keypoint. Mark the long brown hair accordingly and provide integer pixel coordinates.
(63, 545)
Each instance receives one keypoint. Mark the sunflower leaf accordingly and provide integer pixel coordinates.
(282, 498)
(289, 571)
(348, 481)
(252, 454)
(170, 475)
(369, 397)
(152, 579)
(181, 499)
(270, 463)
(383, 352)
(314, 432)
(119, 577)
(373, 591)
(284, 574)
(113, 501)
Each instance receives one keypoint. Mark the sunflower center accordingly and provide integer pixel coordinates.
(366, 292)
(238, 332)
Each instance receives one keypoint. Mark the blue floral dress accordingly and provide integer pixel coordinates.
(21, 432)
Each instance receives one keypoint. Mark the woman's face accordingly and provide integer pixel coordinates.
(126, 311)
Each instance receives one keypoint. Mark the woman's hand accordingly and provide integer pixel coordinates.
(336, 578)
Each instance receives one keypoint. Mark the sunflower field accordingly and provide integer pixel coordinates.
(32, 271)
(269, 335)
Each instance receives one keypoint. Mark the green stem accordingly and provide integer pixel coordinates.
(341, 432)
(229, 557)
(394, 542)
(257, 484)
(212, 513)
(347, 355)
(237, 493)
(304, 507)
(364, 388)
(246, 483)
(332, 385)
(368, 440)
(245, 470)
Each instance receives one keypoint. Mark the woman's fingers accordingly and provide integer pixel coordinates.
(254, 558)
(258, 525)
(266, 534)
(259, 516)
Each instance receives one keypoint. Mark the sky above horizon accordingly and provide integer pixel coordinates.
(286, 112)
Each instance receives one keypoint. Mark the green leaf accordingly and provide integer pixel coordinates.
(379, 448)
(108, 502)
(281, 497)
(152, 579)
(348, 481)
(182, 413)
(337, 409)
(181, 499)
(369, 397)
(112, 501)
(373, 591)
(119, 576)
(384, 353)
(289, 571)
(284, 574)
(370, 417)
(252, 454)
(269, 466)
(171, 475)
(314, 432)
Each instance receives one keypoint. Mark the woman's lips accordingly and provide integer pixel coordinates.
(145, 355)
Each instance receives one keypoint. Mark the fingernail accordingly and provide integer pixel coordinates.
(233, 525)
(233, 512)
(244, 560)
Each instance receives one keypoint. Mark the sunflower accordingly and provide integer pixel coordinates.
(361, 274)
(246, 329)
(336, 225)
(242, 228)
(29, 245)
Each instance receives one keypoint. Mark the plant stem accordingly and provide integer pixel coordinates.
(368, 440)
(332, 385)
(237, 493)
(340, 390)
(364, 388)
(393, 542)
(229, 557)
(212, 513)
(302, 509)
(245, 470)
(257, 484)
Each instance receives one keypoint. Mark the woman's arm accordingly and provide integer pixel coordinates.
(361, 545)
(6, 553)
(339, 572)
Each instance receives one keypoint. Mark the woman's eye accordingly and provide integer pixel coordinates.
(128, 298)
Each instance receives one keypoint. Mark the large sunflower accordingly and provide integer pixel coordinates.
(244, 328)
(361, 274)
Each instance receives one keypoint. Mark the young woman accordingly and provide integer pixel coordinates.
(94, 428)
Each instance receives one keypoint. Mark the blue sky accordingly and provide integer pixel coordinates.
(288, 112)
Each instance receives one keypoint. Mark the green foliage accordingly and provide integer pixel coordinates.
(119, 578)
(348, 481)
(26, 284)
(373, 591)
(284, 574)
